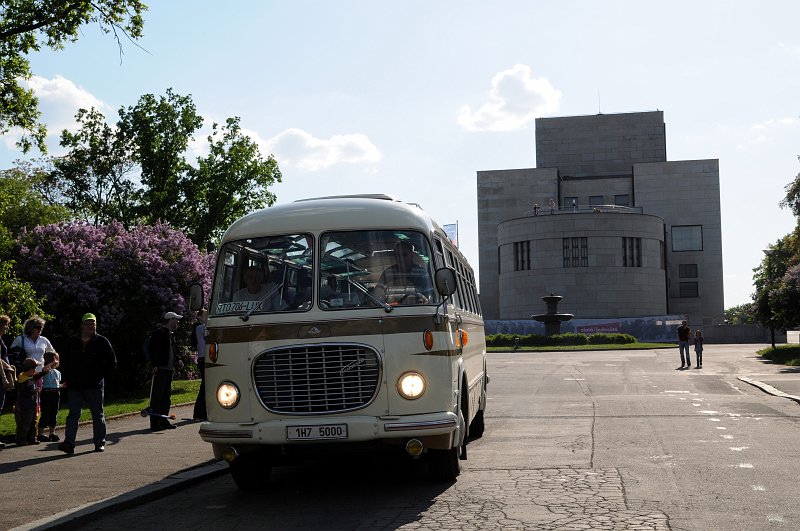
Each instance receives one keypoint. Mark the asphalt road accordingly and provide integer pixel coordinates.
(592, 440)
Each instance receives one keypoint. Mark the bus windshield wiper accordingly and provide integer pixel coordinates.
(360, 287)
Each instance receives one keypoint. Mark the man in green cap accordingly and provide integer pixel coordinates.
(85, 363)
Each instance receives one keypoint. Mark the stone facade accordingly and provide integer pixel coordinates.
(631, 234)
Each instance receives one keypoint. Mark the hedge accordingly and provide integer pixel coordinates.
(537, 340)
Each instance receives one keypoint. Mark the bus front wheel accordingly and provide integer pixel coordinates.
(444, 464)
(251, 472)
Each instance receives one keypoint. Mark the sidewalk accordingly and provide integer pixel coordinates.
(43, 487)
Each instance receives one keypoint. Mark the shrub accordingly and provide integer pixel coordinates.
(127, 278)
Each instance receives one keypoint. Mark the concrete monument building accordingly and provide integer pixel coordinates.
(618, 230)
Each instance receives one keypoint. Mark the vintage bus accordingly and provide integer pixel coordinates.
(341, 324)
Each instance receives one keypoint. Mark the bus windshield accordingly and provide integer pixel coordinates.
(264, 275)
(374, 268)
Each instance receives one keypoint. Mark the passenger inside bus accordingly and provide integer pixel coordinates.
(405, 282)
(256, 289)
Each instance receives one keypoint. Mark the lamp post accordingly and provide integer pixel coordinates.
(769, 253)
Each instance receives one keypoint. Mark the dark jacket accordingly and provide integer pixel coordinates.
(160, 343)
(87, 367)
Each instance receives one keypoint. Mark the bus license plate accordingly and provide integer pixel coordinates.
(311, 433)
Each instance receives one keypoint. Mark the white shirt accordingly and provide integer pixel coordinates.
(34, 349)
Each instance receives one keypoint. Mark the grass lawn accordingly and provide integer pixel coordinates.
(626, 346)
(785, 354)
(183, 391)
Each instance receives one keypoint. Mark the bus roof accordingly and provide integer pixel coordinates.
(373, 211)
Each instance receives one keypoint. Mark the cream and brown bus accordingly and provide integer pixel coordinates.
(341, 324)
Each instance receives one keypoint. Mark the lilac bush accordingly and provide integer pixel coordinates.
(127, 278)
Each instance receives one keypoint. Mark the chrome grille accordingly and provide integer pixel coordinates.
(311, 379)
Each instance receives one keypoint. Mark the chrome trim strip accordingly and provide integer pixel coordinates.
(422, 425)
(227, 434)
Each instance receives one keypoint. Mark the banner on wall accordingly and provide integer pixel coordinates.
(452, 232)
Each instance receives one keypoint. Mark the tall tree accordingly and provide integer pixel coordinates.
(158, 131)
(94, 177)
(231, 181)
(26, 26)
(138, 172)
(22, 205)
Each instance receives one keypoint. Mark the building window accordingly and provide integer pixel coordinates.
(687, 270)
(632, 252)
(522, 256)
(688, 289)
(687, 238)
(570, 202)
(596, 200)
(575, 252)
(622, 200)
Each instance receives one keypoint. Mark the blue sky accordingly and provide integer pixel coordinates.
(412, 98)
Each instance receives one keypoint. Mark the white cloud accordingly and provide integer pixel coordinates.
(59, 101)
(516, 99)
(297, 148)
(761, 132)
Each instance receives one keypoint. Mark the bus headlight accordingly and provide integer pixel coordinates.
(411, 385)
(228, 395)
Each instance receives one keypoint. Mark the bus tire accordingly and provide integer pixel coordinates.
(444, 464)
(477, 427)
(250, 472)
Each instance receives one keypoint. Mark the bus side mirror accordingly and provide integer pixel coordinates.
(445, 279)
(196, 301)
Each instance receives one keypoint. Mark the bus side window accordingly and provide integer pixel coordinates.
(439, 253)
(451, 262)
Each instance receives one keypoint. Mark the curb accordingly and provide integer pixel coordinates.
(78, 516)
(768, 388)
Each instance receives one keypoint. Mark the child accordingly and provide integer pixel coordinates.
(50, 398)
(27, 401)
(698, 348)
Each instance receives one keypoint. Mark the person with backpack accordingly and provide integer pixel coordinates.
(163, 351)
(31, 344)
(86, 362)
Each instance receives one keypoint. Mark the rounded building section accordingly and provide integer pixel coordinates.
(605, 263)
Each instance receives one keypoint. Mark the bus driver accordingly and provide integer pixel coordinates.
(256, 290)
(405, 278)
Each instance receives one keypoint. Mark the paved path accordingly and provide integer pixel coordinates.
(138, 466)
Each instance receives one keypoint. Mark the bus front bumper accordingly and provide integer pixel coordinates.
(435, 430)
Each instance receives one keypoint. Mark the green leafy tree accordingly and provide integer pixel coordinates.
(94, 177)
(741, 314)
(18, 299)
(792, 199)
(158, 131)
(23, 205)
(231, 181)
(138, 172)
(28, 25)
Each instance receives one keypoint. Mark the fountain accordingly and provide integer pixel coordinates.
(552, 319)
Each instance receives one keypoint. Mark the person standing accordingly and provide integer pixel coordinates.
(163, 351)
(85, 364)
(199, 346)
(8, 373)
(698, 349)
(32, 344)
(50, 399)
(27, 404)
(683, 344)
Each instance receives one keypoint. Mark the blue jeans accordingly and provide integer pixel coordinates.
(94, 400)
(683, 346)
